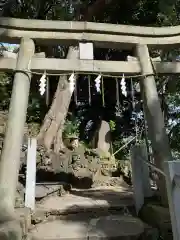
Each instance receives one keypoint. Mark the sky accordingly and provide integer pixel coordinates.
(10, 46)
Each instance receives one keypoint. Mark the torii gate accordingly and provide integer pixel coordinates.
(72, 33)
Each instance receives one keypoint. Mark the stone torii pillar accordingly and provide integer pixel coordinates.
(155, 120)
(10, 158)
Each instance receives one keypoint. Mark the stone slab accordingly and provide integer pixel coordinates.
(116, 227)
(45, 190)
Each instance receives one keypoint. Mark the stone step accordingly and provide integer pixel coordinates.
(86, 214)
(80, 228)
(83, 201)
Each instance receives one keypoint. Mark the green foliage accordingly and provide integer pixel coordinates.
(71, 128)
(138, 12)
(33, 129)
(112, 125)
(5, 90)
(117, 144)
(41, 9)
(36, 106)
(34, 110)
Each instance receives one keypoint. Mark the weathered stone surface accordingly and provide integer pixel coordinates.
(85, 200)
(51, 188)
(124, 227)
(120, 227)
(110, 181)
(156, 216)
(38, 216)
(45, 190)
(19, 202)
(82, 178)
(124, 167)
(11, 231)
(24, 215)
(104, 137)
(150, 233)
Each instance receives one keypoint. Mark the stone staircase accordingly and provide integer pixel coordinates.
(99, 213)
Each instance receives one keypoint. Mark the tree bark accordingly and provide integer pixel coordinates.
(51, 131)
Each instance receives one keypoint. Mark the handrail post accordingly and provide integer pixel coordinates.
(31, 174)
(172, 170)
(137, 178)
(145, 171)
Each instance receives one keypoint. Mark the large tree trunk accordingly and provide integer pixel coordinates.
(51, 131)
